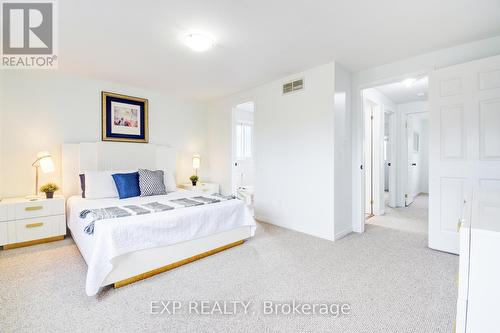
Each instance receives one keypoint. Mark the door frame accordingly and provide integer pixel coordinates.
(368, 166)
(373, 161)
(358, 130)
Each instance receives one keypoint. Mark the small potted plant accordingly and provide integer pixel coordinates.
(194, 179)
(49, 190)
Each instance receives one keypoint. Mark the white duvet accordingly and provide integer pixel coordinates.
(115, 237)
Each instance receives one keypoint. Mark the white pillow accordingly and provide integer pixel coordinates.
(169, 180)
(100, 184)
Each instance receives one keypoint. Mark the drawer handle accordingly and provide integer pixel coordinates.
(34, 225)
(32, 208)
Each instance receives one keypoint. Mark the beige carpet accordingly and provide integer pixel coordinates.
(391, 280)
(413, 218)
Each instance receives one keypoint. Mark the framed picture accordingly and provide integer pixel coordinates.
(124, 118)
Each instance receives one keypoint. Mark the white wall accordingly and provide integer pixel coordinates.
(342, 151)
(397, 71)
(294, 155)
(43, 109)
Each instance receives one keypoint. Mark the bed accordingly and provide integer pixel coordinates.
(127, 249)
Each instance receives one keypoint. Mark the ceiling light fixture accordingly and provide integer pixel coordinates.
(198, 42)
(420, 94)
(409, 82)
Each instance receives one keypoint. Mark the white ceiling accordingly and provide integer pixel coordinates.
(399, 93)
(137, 42)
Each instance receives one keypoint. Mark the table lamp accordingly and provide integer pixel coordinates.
(196, 163)
(43, 161)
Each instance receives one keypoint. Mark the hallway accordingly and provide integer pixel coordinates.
(413, 218)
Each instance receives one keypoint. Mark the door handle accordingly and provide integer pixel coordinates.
(414, 164)
(389, 164)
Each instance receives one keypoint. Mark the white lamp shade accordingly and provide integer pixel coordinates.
(196, 161)
(46, 162)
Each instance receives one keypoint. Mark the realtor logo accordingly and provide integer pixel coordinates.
(28, 32)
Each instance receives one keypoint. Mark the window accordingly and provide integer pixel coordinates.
(244, 141)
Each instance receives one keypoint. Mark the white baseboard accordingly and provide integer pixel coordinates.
(267, 220)
(342, 234)
(261, 218)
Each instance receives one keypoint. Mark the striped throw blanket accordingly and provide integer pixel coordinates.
(98, 214)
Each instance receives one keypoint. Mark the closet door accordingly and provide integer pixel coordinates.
(464, 144)
(483, 299)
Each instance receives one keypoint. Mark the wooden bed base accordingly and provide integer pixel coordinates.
(33, 242)
(153, 272)
(137, 265)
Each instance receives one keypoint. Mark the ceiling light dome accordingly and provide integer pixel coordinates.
(198, 42)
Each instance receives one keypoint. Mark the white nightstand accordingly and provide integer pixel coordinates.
(209, 188)
(24, 222)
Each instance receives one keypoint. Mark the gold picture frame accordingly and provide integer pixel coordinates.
(133, 129)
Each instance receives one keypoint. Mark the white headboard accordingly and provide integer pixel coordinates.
(91, 156)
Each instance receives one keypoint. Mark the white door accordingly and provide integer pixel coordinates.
(390, 152)
(464, 143)
(484, 272)
(368, 158)
(411, 162)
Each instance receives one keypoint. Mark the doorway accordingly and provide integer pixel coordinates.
(395, 154)
(417, 134)
(243, 164)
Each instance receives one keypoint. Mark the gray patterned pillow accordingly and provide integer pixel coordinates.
(151, 182)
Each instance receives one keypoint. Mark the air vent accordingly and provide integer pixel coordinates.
(293, 86)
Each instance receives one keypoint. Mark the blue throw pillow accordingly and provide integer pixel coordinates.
(127, 184)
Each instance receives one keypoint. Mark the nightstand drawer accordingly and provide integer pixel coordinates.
(36, 228)
(3, 213)
(26, 210)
